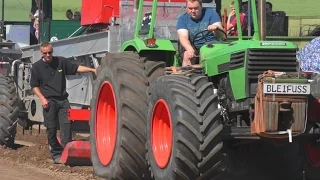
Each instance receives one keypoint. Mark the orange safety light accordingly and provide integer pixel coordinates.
(151, 42)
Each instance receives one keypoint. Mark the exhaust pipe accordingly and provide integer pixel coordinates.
(262, 19)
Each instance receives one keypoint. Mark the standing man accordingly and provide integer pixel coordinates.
(48, 82)
(195, 20)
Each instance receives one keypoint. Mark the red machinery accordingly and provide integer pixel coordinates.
(97, 12)
(77, 152)
(94, 13)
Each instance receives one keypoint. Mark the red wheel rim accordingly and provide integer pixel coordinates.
(161, 133)
(106, 123)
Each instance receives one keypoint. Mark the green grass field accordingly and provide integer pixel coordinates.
(302, 13)
(291, 7)
(16, 12)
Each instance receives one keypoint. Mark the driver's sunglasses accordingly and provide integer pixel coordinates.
(45, 53)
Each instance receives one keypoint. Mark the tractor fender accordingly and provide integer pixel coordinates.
(140, 45)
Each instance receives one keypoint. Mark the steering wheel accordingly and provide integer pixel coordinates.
(205, 33)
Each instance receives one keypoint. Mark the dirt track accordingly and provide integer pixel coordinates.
(14, 171)
(31, 162)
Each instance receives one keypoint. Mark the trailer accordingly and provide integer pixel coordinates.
(145, 117)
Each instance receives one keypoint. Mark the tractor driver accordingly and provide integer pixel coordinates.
(195, 20)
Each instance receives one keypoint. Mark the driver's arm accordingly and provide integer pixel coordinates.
(215, 23)
(218, 24)
(183, 36)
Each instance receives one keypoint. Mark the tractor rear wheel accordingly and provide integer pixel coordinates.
(9, 109)
(310, 147)
(184, 131)
(311, 159)
(118, 116)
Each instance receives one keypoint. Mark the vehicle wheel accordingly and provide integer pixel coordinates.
(310, 154)
(8, 93)
(118, 118)
(310, 147)
(183, 128)
(277, 164)
(237, 154)
(105, 61)
(9, 104)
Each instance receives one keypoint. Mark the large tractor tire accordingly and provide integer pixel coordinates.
(310, 154)
(118, 118)
(9, 111)
(310, 147)
(184, 129)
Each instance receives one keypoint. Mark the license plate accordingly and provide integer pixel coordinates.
(286, 88)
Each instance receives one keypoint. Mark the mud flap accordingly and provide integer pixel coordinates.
(77, 153)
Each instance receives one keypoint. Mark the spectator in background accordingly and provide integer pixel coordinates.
(33, 39)
(36, 27)
(232, 14)
(232, 26)
(35, 12)
(34, 9)
(37, 15)
(34, 16)
(244, 7)
(309, 56)
(269, 8)
(69, 14)
(77, 15)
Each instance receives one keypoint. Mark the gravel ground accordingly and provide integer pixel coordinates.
(32, 161)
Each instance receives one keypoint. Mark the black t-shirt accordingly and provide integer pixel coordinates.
(50, 77)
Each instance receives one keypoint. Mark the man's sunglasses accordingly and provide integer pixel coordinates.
(49, 52)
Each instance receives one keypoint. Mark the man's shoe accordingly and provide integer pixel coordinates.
(54, 161)
(57, 161)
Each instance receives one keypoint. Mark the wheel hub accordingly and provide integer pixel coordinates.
(161, 133)
(106, 123)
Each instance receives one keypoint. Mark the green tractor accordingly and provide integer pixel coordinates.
(151, 120)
